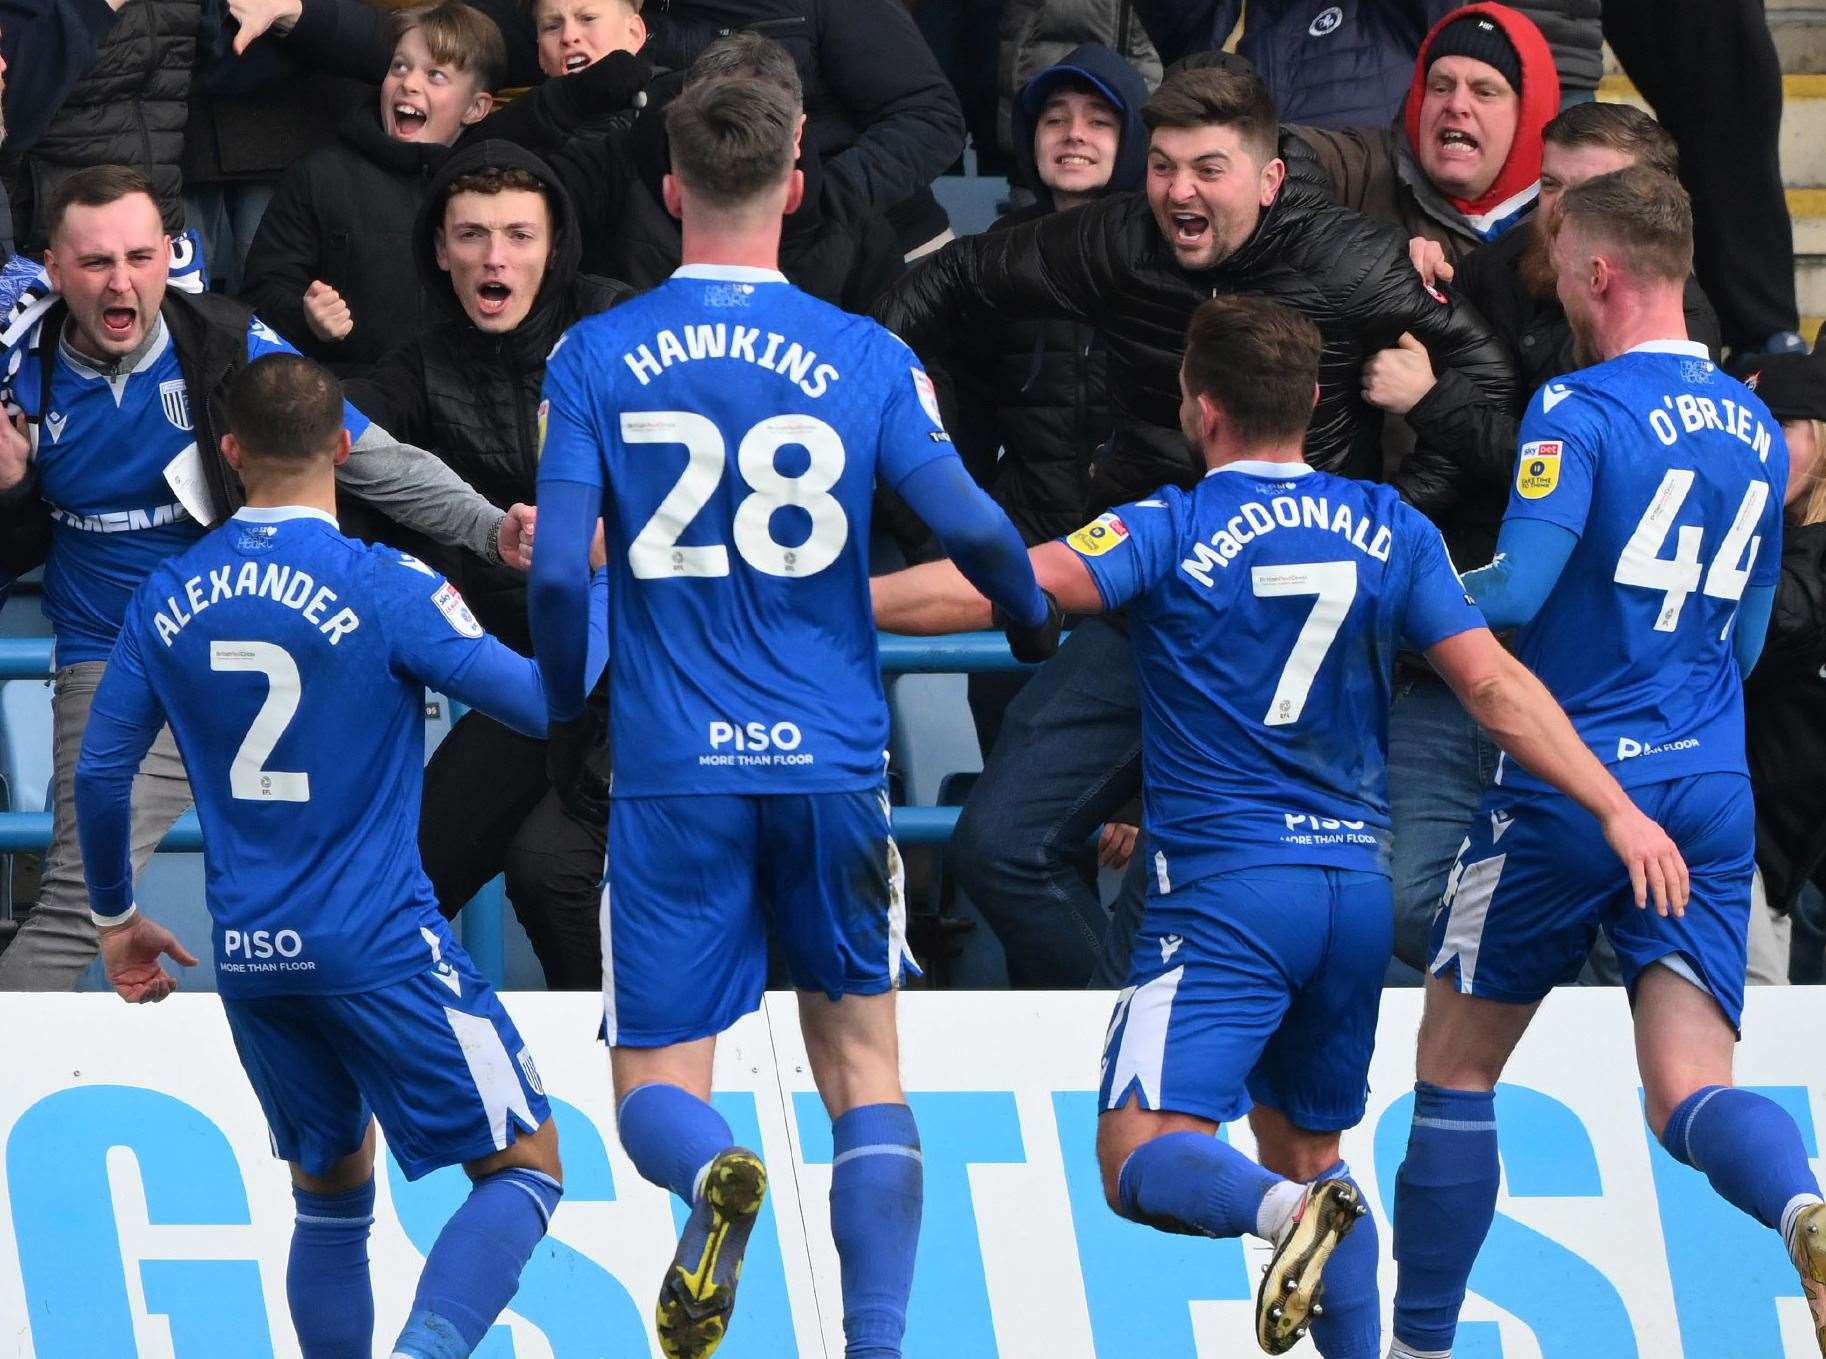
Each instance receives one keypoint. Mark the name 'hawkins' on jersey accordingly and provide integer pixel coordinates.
(738, 428)
(1671, 474)
(1267, 606)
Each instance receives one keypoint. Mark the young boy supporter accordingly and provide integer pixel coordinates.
(574, 34)
(332, 266)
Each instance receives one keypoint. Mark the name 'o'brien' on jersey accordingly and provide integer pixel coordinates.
(1671, 474)
(738, 428)
(1267, 606)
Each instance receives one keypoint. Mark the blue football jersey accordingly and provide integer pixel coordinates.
(737, 428)
(291, 663)
(112, 454)
(1267, 605)
(1672, 475)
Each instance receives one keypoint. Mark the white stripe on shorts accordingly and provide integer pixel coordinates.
(608, 970)
(1144, 1039)
(1468, 904)
(497, 1079)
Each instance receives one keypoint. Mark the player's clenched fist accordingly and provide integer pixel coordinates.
(15, 451)
(326, 313)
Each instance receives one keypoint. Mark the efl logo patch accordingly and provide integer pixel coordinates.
(928, 395)
(1099, 536)
(175, 398)
(1537, 471)
(451, 605)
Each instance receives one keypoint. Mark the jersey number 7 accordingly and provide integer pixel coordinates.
(1677, 577)
(1335, 584)
(655, 554)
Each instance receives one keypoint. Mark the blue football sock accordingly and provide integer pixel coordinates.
(1351, 1325)
(1445, 1200)
(671, 1135)
(326, 1280)
(1195, 1184)
(1747, 1146)
(877, 1193)
(474, 1267)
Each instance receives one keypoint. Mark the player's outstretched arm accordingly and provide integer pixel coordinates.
(1753, 614)
(1509, 702)
(1530, 554)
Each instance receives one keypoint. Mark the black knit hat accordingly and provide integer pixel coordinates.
(1481, 38)
(1792, 386)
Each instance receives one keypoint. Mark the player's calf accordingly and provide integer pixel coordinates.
(473, 1270)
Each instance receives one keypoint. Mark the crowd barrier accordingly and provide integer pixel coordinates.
(482, 919)
(141, 1213)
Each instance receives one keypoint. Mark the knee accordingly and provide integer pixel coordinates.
(1110, 1165)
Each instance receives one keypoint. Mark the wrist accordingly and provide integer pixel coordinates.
(111, 924)
(494, 556)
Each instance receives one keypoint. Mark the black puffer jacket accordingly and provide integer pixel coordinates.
(1108, 265)
(344, 214)
(473, 398)
(878, 109)
(1460, 469)
(1035, 390)
(129, 109)
(1785, 722)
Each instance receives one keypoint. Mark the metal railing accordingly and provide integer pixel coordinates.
(482, 918)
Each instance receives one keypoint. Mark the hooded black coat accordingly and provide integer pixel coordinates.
(343, 214)
(473, 398)
(1107, 264)
(1036, 389)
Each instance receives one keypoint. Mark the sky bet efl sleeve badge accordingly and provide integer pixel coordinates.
(1099, 536)
(451, 605)
(1537, 470)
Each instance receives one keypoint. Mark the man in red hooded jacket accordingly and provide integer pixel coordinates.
(1462, 164)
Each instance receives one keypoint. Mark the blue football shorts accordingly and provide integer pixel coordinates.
(1535, 882)
(1259, 986)
(434, 1057)
(696, 884)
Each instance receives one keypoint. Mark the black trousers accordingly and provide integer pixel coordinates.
(1710, 70)
(489, 808)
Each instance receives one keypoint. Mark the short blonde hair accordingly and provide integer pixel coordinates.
(457, 35)
(1813, 508)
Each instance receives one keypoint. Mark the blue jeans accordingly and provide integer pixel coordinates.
(1068, 757)
(1440, 764)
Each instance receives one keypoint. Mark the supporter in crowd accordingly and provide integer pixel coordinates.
(1037, 35)
(1785, 696)
(120, 382)
(127, 106)
(497, 246)
(1464, 166)
(877, 106)
(574, 34)
(1218, 216)
(835, 246)
(1032, 391)
(62, 37)
(355, 39)
(1710, 70)
(1440, 763)
(332, 264)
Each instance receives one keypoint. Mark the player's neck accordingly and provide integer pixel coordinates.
(276, 493)
(1642, 320)
(1223, 455)
(756, 247)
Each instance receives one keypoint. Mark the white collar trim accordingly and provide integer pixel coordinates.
(279, 514)
(729, 273)
(1687, 349)
(1255, 467)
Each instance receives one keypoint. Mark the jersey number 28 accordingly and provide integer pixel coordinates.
(655, 553)
(1678, 576)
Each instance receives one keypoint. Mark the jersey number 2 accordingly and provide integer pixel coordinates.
(1335, 584)
(655, 554)
(1678, 576)
(248, 776)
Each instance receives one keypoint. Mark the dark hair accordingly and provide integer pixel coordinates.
(494, 179)
(1220, 96)
(1258, 361)
(1644, 213)
(95, 186)
(732, 137)
(1621, 127)
(456, 35)
(744, 53)
(284, 408)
